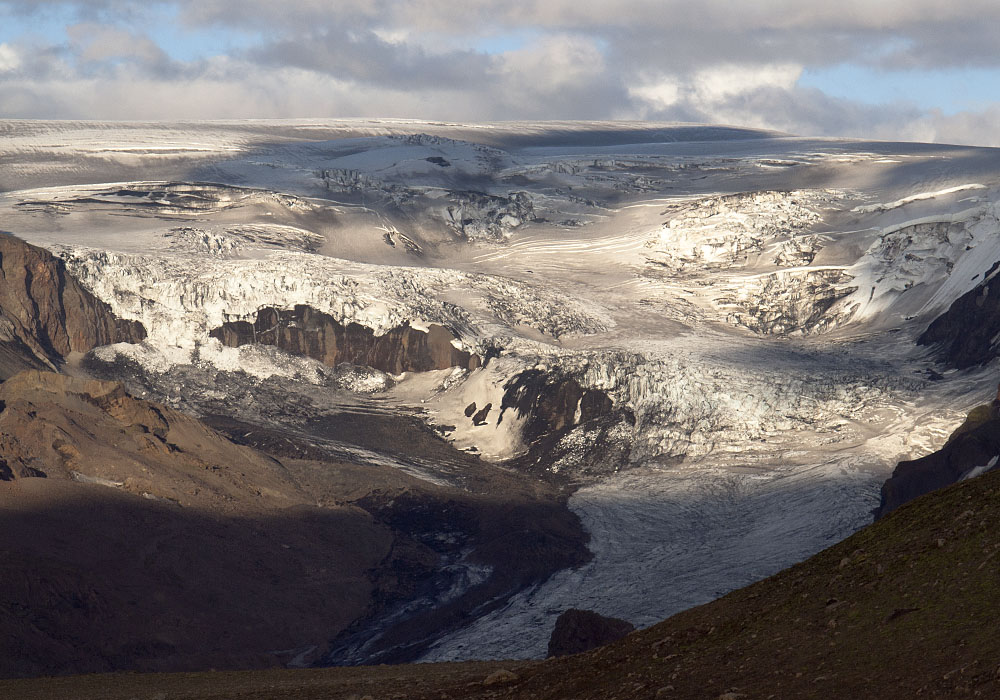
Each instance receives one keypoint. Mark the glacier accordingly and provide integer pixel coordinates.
(747, 302)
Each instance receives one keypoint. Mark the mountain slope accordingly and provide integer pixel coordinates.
(135, 537)
(900, 609)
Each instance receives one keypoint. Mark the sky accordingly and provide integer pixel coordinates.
(918, 70)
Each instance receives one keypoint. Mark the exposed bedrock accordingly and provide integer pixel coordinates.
(973, 449)
(967, 333)
(176, 198)
(45, 314)
(304, 331)
(58, 426)
(567, 424)
(577, 631)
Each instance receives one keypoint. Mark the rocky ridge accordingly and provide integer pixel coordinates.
(966, 334)
(304, 331)
(45, 314)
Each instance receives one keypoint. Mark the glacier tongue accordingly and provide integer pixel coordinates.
(665, 541)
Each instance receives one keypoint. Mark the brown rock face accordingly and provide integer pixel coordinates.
(45, 314)
(161, 544)
(577, 631)
(305, 331)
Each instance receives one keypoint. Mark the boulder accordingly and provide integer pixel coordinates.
(577, 631)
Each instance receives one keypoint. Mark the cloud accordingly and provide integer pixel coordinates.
(10, 59)
(366, 58)
(691, 60)
(97, 43)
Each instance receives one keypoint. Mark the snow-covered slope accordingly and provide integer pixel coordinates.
(738, 307)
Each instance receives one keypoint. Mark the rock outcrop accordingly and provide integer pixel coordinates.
(45, 314)
(577, 631)
(304, 331)
(965, 335)
(973, 449)
(566, 424)
(553, 404)
(92, 431)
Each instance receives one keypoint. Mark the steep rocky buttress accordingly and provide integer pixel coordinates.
(966, 334)
(45, 314)
(972, 449)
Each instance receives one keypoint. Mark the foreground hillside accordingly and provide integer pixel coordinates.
(900, 609)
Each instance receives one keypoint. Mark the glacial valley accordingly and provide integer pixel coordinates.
(685, 356)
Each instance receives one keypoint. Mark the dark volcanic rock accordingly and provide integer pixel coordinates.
(966, 332)
(551, 402)
(482, 415)
(305, 331)
(45, 314)
(577, 631)
(554, 405)
(966, 451)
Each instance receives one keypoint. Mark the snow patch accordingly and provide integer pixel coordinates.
(880, 207)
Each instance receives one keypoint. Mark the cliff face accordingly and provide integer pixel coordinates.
(566, 424)
(304, 331)
(969, 452)
(966, 332)
(45, 314)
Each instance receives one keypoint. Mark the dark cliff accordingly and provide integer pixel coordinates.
(305, 331)
(553, 405)
(45, 314)
(973, 448)
(965, 334)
